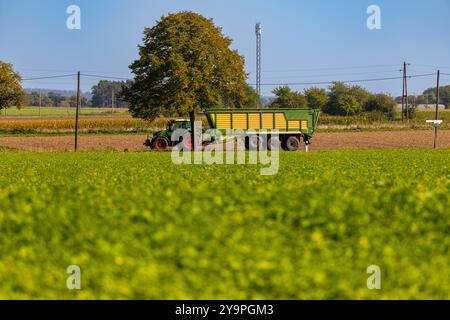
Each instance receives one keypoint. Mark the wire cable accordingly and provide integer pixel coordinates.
(321, 75)
(104, 77)
(49, 77)
(330, 68)
(344, 81)
(263, 84)
(295, 83)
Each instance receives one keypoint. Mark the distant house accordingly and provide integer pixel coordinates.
(429, 106)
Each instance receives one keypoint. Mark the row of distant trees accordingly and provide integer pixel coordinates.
(52, 99)
(339, 99)
(346, 100)
(429, 97)
(13, 94)
(104, 95)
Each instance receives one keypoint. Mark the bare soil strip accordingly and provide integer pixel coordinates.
(321, 141)
(380, 140)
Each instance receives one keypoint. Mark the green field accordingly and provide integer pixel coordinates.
(141, 227)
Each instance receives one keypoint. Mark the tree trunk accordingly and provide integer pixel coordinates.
(192, 118)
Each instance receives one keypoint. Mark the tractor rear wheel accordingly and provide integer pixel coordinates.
(161, 144)
(187, 142)
(292, 144)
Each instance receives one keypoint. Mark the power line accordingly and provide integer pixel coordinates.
(107, 72)
(262, 84)
(72, 75)
(336, 74)
(431, 66)
(104, 77)
(49, 77)
(296, 83)
(328, 68)
(344, 81)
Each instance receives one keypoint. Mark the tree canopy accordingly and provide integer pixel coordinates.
(444, 95)
(11, 91)
(286, 98)
(252, 97)
(104, 91)
(53, 99)
(317, 98)
(340, 99)
(381, 103)
(186, 65)
(343, 100)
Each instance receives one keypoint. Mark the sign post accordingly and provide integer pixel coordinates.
(435, 124)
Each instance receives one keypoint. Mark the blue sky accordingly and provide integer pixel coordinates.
(303, 41)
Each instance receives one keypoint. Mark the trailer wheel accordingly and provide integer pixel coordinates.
(274, 144)
(292, 144)
(253, 143)
(161, 144)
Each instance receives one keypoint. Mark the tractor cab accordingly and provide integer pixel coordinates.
(174, 125)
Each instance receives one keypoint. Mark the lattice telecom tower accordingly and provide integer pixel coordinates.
(258, 30)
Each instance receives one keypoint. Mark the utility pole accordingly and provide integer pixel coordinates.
(437, 94)
(77, 111)
(112, 101)
(403, 95)
(258, 31)
(405, 79)
(40, 101)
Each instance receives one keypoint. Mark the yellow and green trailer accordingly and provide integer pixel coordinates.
(292, 126)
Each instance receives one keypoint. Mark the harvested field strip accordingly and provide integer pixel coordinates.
(321, 141)
(65, 125)
(89, 125)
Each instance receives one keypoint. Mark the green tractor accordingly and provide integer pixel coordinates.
(162, 140)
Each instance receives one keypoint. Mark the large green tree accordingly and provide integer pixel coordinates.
(286, 98)
(11, 91)
(345, 100)
(186, 65)
(381, 103)
(317, 98)
(105, 91)
(252, 98)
